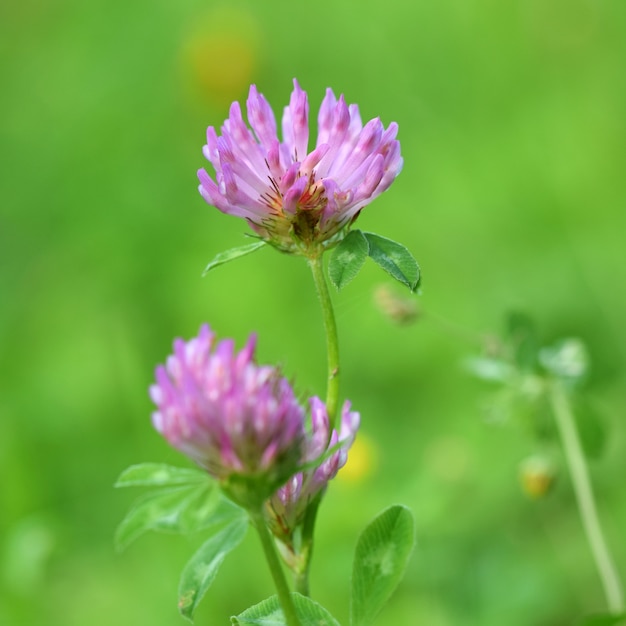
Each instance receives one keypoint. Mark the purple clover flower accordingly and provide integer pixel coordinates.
(294, 198)
(286, 508)
(238, 420)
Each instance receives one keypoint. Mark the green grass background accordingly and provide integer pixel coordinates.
(512, 121)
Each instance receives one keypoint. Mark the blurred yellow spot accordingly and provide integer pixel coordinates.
(220, 55)
(537, 475)
(362, 460)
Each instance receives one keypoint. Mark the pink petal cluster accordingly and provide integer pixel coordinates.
(287, 506)
(296, 196)
(231, 416)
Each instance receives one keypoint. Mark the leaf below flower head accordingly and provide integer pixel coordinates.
(202, 568)
(176, 510)
(159, 475)
(347, 259)
(395, 259)
(232, 254)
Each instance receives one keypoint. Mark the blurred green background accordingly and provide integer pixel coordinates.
(512, 122)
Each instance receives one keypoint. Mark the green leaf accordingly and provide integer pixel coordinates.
(395, 259)
(232, 254)
(159, 475)
(381, 555)
(603, 619)
(178, 510)
(202, 568)
(347, 259)
(269, 613)
(489, 369)
(523, 337)
(567, 359)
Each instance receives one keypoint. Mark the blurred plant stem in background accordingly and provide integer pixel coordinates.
(579, 473)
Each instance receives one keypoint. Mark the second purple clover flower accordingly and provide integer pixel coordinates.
(296, 196)
(242, 422)
(288, 506)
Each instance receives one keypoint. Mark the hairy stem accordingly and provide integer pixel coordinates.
(269, 549)
(585, 499)
(332, 341)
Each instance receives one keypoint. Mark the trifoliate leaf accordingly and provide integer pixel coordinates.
(347, 259)
(395, 259)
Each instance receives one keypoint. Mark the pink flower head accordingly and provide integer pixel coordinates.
(238, 420)
(293, 196)
(288, 505)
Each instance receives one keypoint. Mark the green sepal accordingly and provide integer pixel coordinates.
(382, 553)
(232, 254)
(269, 613)
(348, 258)
(159, 475)
(201, 569)
(395, 259)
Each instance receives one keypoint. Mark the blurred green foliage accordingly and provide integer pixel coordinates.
(512, 121)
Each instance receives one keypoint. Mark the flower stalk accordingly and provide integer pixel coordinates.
(332, 340)
(269, 549)
(584, 496)
(301, 576)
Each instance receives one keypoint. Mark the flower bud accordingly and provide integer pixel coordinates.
(287, 507)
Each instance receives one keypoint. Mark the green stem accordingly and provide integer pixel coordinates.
(301, 578)
(332, 341)
(585, 499)
(269, 549)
